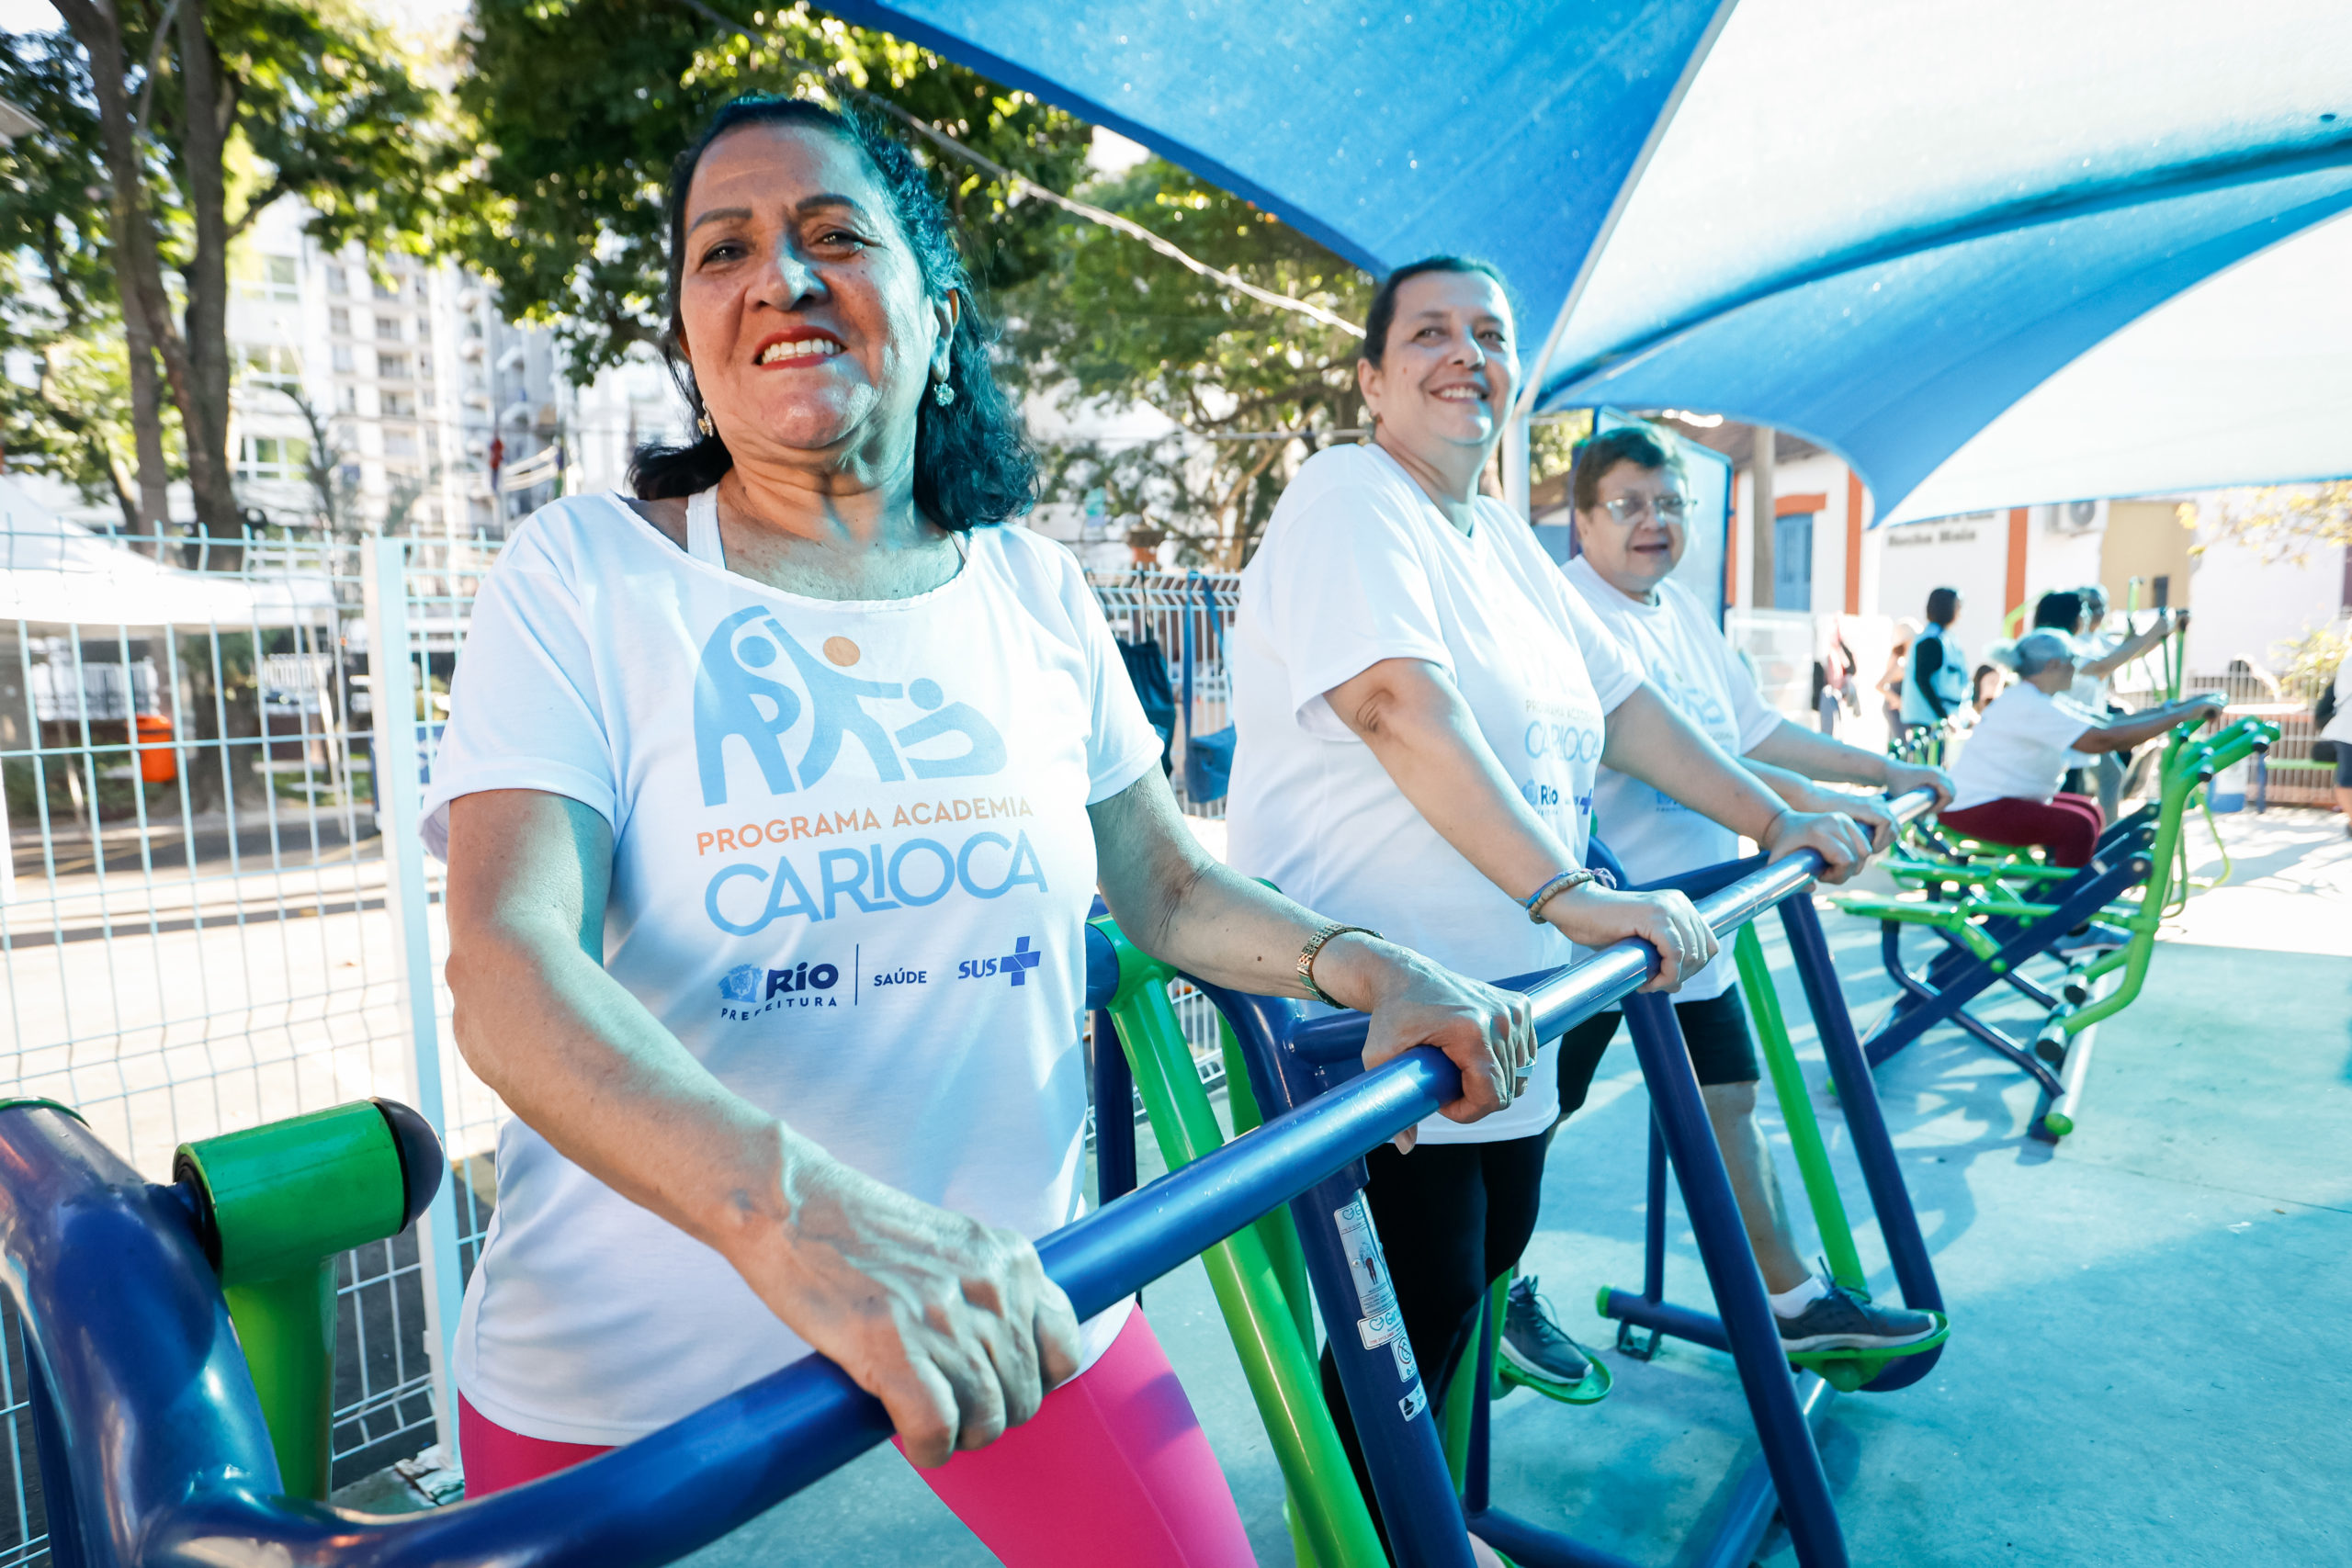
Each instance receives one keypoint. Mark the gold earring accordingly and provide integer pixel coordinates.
(702, 422)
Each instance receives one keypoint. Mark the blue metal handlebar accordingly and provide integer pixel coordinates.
(155, 1451)
(156, 1454)
(1567, 996)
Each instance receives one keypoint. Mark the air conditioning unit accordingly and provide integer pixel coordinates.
(2078, 517)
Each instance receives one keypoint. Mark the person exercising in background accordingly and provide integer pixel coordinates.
(2008, 773)
(1629, 511)
(1935, 680)
(1890, 684)
(2082, 613)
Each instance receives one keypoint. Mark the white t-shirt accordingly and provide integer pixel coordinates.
(1692, 663)
(2089, 691)
(851, 868)
(1357, 565)
(2017, 750)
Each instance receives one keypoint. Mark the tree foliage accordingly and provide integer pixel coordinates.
(1114, 322)
(167, 129)
(2277, 522)
(581, 106)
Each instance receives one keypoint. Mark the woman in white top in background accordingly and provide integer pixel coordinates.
(1627, 488)
(774, 802)
(2006, 784)
(1422, 703)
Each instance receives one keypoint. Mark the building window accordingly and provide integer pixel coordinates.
(398, 405)
(264, 277)
(389, 327)
(268, 364)
(339, 321)
(270, 458)
(387, 287)
(347, 400)
(342, 360)
(399, 441)
(393, 367)
(336, 282)
(427, 400)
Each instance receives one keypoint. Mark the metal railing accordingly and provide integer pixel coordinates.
(1155, 606)
(193, 926)
(183, 1482)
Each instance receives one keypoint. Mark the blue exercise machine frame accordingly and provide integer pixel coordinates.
(1955, 977)
(1874, 1148)
(1294, 1061)
(153, 1452)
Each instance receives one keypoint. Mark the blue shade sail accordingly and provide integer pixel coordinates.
(1878, 223)
(1895, 365)
(2246, 377)
(1386, 129)
(1881, 224)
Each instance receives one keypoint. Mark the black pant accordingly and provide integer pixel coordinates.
(1452, 1218)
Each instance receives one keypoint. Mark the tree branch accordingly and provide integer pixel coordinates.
(1092, 214)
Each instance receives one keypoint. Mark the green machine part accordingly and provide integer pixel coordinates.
(1259, 1274)
(275, 1204)
(1845, 1370)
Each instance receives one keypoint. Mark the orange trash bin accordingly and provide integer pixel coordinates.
(158, 763)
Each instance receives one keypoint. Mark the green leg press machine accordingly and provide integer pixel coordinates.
(1995, 908)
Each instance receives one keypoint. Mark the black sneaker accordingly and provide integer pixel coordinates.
(1535, 1350)
(1844, 1321)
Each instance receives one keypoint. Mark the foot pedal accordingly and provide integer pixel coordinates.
(1592, 1389)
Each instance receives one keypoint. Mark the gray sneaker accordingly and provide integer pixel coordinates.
(1844, 1321)
(1534, 1346)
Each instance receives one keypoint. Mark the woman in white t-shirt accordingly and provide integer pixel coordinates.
(774, 803)
(2006, 784)
(1627, 489)
(1420, 703)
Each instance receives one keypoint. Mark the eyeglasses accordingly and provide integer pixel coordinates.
(1631, 510)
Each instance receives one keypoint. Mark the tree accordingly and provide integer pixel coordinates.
(580, 106)
(206, 112)
(93, 402)
(1115, 323)
(2278, 523)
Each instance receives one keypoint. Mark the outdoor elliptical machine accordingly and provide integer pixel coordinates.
(1276, 1057)
(1993, 909)
(146, 1385)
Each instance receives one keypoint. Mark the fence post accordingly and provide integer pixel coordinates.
(400, 803)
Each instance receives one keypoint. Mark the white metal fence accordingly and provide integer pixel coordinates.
(194, 930)
(214, 909)
(1180, 613)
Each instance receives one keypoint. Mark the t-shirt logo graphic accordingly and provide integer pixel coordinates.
(735, 701)
(1020, 960)
(741, 984)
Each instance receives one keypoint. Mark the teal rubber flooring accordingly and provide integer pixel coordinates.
(2147, 1362)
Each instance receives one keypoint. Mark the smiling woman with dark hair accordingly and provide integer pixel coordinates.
(775, 800)
(1421, 705)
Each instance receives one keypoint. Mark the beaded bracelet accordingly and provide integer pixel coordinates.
(1554, 888)
(1314, 945)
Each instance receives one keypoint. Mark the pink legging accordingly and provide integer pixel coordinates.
(2067, 827)
(1114, 1468)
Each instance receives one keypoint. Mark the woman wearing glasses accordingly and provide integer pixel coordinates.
(1421, 706)
(1630, 514)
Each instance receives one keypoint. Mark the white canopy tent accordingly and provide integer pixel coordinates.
(56, 572)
